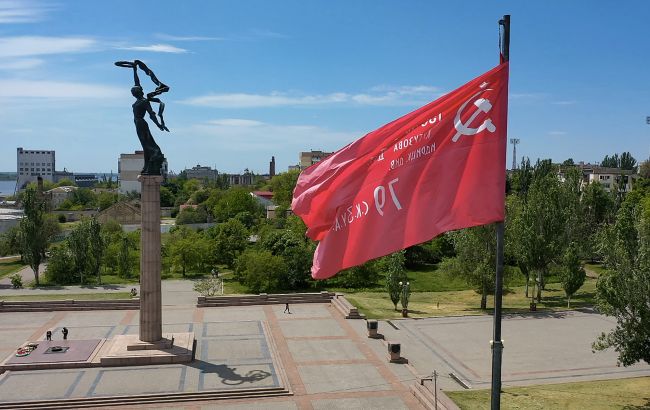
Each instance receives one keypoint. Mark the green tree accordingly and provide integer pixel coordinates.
(183, 250)
(191, 215)
(572, 274)
(627, 161)
(623, 291)
(260, 270)
(644, 169)
(540, 228)
(79, 245)
(297, 253)
(610, 162)
(475, 259)
(96, 248)
(166, 197)
(33, 235)
(522, 177)
(10, 243)
(282, 186)
(598, 207)
(394, 265)
(60, 266)
(106, 199)
(362, 276)
(234, 201)
(125, 261)
(228, 239)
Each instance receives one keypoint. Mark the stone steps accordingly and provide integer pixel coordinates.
(68, 305)
(264, 299)
(346, 308)
(427, 399)
(147, 399)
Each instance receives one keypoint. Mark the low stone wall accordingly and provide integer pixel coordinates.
(70, 304)
(264, 299)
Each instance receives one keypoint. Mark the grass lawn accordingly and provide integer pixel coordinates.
(595, 267)
(75, 296)
(377, 305)
(7, 267)
(609, 394)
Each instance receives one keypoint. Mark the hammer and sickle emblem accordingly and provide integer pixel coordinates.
(483, 106)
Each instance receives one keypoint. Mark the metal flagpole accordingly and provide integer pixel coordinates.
(497, 343)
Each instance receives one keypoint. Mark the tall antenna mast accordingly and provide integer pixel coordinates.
(514, 142)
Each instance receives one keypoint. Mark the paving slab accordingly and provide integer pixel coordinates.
(342, 378)
(324, 350)
(370, 403)
(233, 314)
(311, 328)
(138, 380)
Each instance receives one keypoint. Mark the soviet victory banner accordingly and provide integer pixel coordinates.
(437, 169)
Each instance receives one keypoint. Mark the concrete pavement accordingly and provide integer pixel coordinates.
(315, 353)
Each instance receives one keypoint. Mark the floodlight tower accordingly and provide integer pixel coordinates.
(514, 142)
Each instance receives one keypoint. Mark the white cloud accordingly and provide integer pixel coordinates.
(565, 102)
(381, 95)
(20, 64)
(169, 37)
(156, 48)
(56, 89)
(234, 134)
(25, 46)
(235, 122)
(23, 11)
(557, 133)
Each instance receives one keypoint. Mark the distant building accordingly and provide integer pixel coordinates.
(294, 167)
(272, 167)
(30, 164)
(57, 196)
(199, 172)
(129, 166)
(61, 175)
(85, 180)
(122, 212)
(245, 179)
(612, 179)
(308, 159)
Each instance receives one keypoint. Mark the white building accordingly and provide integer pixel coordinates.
(612, 179)
(30, 164)
(129, 166)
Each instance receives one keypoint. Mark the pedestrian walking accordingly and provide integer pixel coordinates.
(286, 308)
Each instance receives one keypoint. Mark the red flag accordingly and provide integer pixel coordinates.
(439, 168)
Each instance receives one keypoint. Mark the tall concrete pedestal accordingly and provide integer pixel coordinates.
(150, 260)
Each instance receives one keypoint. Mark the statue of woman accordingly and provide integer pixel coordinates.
(153, 156)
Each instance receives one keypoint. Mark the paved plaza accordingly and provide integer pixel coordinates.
(322, 359)
(538, 348)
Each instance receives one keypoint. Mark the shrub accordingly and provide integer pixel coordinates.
(16, 281)
(260, 271)
(208, 287)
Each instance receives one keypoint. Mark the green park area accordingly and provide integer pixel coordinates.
(628, 394)
(10, 266)
(568, 245)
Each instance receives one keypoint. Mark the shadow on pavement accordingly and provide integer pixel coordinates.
(228, 375)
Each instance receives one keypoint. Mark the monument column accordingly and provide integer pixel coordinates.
(150, 260)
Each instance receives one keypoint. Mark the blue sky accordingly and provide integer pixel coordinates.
(252, 79)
